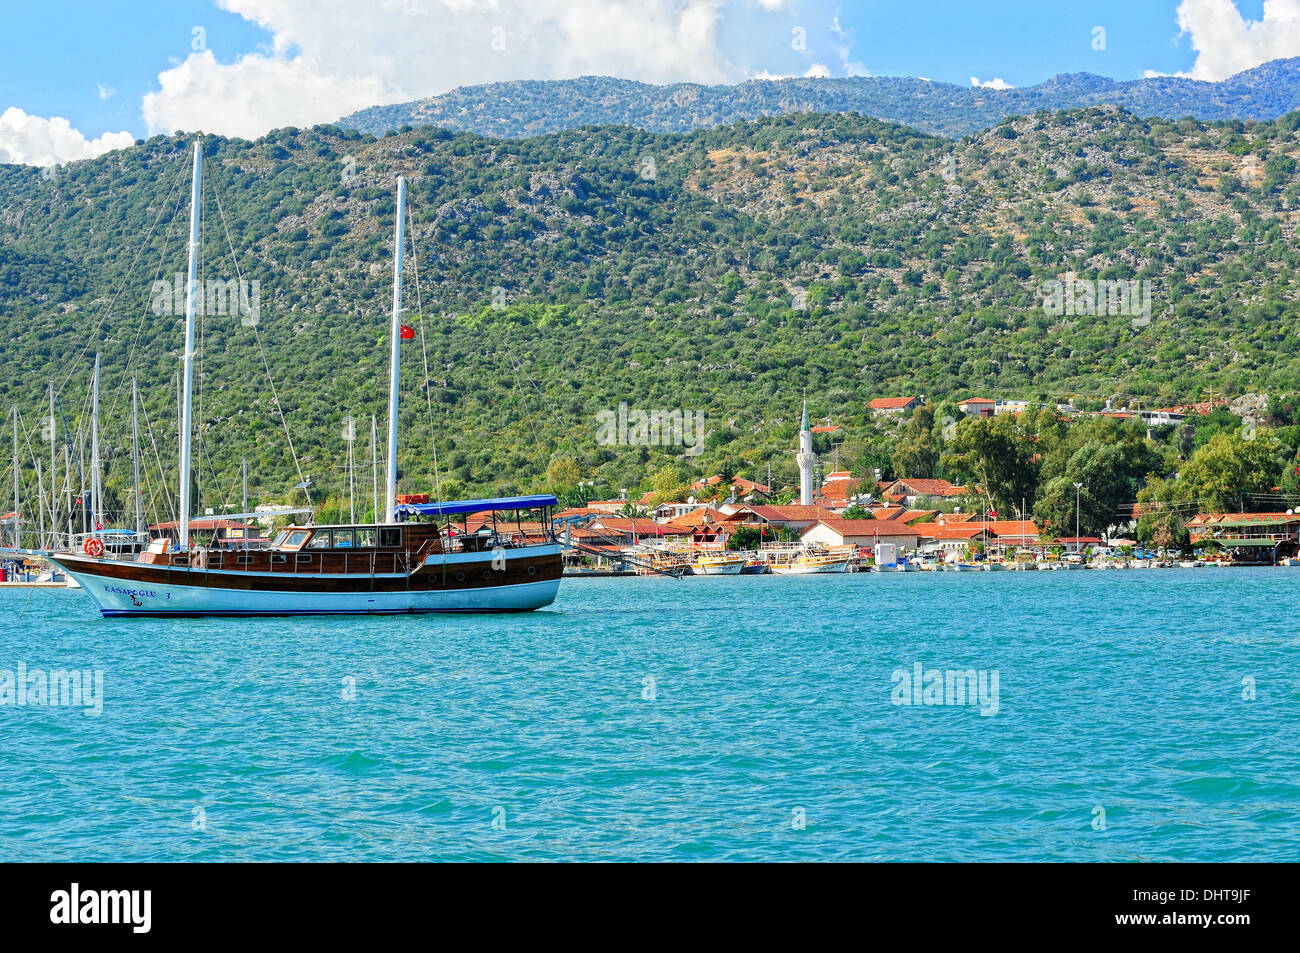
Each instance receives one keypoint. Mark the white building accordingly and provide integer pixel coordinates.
(807, 461)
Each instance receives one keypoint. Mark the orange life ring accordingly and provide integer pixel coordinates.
(94, 547)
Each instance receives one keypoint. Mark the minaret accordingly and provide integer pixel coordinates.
(806, 459)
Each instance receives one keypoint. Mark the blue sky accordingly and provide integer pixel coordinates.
(121, 67)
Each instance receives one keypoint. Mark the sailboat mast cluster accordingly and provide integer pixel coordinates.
(414, 559)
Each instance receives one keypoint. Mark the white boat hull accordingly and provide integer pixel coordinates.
(115, 596)
(801, 569)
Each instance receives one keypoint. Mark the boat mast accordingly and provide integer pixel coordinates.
(40, 504)
(374, 466)
(135, 458)
(390, 504)
(196, 188)
(351, 434)
(96, 495)
(54, 489)
(17, 522)
(67, 490)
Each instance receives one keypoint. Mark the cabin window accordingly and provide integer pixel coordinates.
(280, 537)
(343, 539)
(296, 538)
(244, 559)
(180, 560)
(390, 536)
(319, 539)
(304, 557)
(366, 537)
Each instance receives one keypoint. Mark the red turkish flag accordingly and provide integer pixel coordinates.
(407, 333)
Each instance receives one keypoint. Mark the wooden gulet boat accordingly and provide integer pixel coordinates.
(389, 567)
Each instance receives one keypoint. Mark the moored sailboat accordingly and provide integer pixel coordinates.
(382, 567)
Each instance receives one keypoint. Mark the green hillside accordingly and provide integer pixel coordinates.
(731, 271)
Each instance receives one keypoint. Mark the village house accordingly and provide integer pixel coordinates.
(953, 538)
(794, 518)
(606, 506)
(665, 512)
(1078, 544)
(977, 407)
(841, 532)
(894, 406)
(1274, 535)
(1010, 534)
(908, 491)
(627, 531)
(838, 491)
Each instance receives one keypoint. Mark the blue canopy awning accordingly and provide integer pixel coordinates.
(452, 507)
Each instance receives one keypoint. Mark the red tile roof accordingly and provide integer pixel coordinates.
(925, 486)
(889, 512)
(869, 527)
(694, 518)
(890, 403)
(791, 513)
(960, 531)
(641, 527)
(911, 516)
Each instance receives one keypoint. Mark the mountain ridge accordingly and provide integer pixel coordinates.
(524, 108)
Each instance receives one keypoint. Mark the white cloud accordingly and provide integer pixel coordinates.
(332, 57)
(106, 92)
(1226, 43)
(996, 83)
(32, 140)
(818, 71)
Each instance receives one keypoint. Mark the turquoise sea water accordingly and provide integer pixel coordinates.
(771, 696)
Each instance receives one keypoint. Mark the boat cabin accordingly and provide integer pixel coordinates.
(466, 526)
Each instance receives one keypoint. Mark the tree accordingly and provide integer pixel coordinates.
(1111, 473)
(1232, 473)
(562, 474)
(917, 454)
(668, 486)
(995, 453)
(1163, 515)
